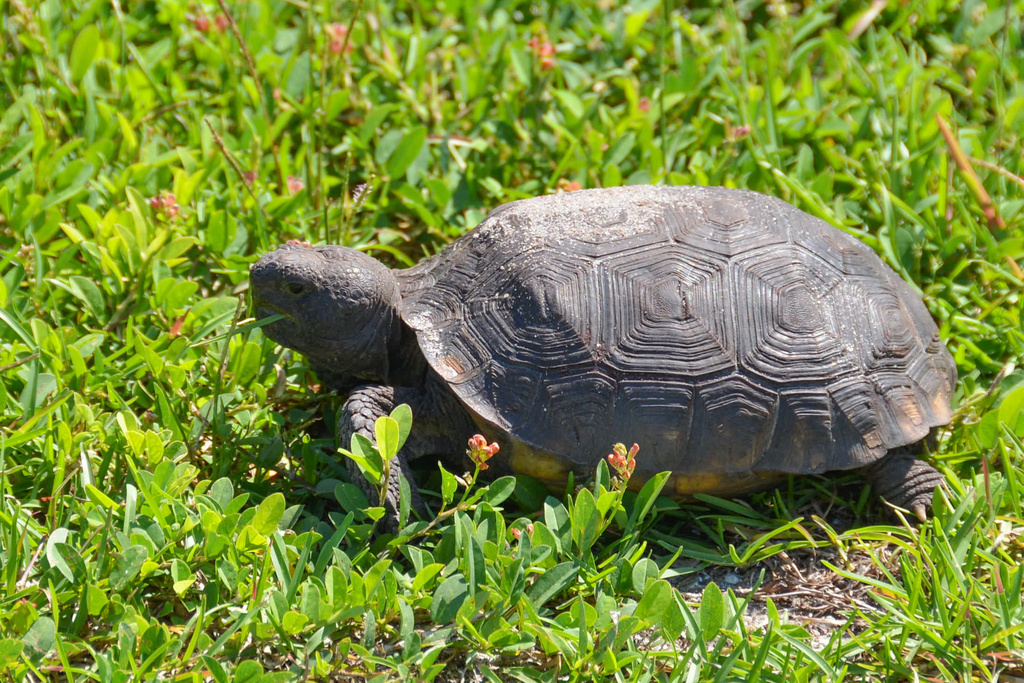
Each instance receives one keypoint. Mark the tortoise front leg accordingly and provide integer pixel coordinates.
(359, 414)
(904, 480)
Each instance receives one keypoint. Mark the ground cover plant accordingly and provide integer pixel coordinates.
(172, 505)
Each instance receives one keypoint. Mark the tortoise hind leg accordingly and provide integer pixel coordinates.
(904, 480)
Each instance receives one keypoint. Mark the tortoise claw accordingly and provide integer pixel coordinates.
(920, 512)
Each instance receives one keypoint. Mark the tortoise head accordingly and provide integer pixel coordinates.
(340, 308)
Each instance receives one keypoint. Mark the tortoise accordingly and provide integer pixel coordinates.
(736, 338)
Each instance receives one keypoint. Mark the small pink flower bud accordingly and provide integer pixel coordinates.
(622, 461)
(739, 132)
(480, 452)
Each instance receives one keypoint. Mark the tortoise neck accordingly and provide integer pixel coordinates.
(407, 364)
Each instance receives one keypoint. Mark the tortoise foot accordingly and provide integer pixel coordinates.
(906, 481)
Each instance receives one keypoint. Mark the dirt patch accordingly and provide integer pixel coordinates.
(802, 587)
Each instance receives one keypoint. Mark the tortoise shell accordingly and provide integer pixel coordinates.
(727, 332)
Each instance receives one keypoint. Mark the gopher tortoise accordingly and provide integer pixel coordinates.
(735, 338)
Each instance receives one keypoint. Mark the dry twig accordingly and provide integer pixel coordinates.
(866, 19)
(963, 162)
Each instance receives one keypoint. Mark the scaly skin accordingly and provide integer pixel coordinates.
(437, 413)
(359, 414)
(904, 480)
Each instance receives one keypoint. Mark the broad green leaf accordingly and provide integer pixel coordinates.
(338, 100)
(644, 571)
(221, 491)
(249, 540)
(449, 484)
(571, 103)
(293, 622)
(99, 498)
(425, 575)
(620, 149)
(366, 457)
(369, 629)
(351, 497)
(712, 611)
(387, 432)
(247, 671)
(602, 479)
(40, 638)
(10, 649)
(89, 293)
(53, 556)
(448, 598)
(220, 231)
(556, 517)
(521, 65)
(988, 429)
(269, 513)
(673, 621)
(1011, 411)
(299, 77)
(181, 576)
(402, 414)
(214, 669)
(83, 51)
(499, 490)
(374, 576)
(309, 603)
(128, 566)
(153, 640)
(96, 600)
(585, 520)
(386, 146)
(636, 19)
(551, 582)
(654, 602)
(73, 560)
(646, 498)
(407, 151)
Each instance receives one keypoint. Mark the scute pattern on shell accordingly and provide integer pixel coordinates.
(723, 330)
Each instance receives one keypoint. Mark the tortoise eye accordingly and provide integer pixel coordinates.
(296, 288)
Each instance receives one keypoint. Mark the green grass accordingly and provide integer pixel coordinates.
(171, 504)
